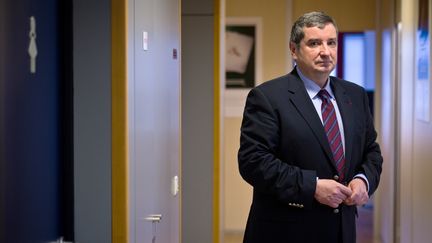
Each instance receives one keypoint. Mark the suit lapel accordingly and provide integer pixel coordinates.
(305, 107)
(345, 108)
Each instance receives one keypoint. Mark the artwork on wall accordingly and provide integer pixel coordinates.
(422, 72)
(242, 61)
(242, 40)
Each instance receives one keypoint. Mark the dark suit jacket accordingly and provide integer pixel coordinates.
(283, 149)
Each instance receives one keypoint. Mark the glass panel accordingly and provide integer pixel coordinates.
(354, 58)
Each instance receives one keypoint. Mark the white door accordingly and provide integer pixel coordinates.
(154, 122)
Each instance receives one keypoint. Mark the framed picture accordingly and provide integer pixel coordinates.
(243, 40)
(242, 52)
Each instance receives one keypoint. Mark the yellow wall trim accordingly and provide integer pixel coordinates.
(216, 129)
(119, 122)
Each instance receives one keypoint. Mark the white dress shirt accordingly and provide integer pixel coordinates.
(312, 89)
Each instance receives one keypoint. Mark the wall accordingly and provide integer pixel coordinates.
(404, 204)
(350, 15)
(275, 62)
(237, 193)
(274, 34)
(386, 123)
(92, 120)
(414, 213)
(198, 120)
(277, 17)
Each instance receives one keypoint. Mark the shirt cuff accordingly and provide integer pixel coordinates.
(363, 177)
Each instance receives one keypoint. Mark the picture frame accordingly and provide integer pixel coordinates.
(243, 61)
(242, 52)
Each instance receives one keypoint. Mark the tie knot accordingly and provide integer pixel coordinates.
(324, 95)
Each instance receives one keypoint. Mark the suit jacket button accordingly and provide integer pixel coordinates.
(336, 177)
(336, 210)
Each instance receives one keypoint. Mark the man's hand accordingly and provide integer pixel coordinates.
(359, 194)
(331, 192)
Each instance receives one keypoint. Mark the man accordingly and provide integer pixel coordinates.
(308, 146)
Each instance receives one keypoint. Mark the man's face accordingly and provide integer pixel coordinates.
(317, 54)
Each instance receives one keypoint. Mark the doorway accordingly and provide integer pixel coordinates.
(36, 158)
(235, 192)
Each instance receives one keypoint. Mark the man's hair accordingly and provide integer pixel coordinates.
(311, 19)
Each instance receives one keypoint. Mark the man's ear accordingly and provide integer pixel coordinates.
(293, 49)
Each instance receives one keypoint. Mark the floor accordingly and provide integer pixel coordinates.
(365, 225)
(364, 228)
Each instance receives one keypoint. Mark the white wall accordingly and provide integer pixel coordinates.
(404, 133)
(406, 215)
(415, 142)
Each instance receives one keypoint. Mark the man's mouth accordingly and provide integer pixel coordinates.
(324, 63)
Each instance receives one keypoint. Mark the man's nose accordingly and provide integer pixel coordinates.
(325, 50)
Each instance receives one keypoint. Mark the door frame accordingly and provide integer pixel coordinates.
(119, 63)
(66, 111)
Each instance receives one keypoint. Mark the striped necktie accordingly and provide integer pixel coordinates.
(331, 128)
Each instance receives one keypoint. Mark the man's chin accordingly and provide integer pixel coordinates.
(326, 70)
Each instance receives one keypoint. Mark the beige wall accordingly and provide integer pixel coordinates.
(421, 181)
(350, 15)
(274, 31)
(275, 62)
(238, 193)
(276, 23)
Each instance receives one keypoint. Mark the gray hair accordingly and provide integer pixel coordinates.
(311, 19)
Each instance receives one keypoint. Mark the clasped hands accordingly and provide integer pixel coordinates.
(333, 193)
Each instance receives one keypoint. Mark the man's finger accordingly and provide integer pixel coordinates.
(346, 190)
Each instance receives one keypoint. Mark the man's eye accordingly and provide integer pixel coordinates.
(314, 43)
(332, 43)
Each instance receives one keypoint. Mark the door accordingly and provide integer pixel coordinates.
(31, 132)
(155, 121)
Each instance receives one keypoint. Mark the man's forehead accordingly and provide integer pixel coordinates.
(320, 26)
(315, 32)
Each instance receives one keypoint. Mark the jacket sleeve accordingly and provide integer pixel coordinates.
(372, 159)
(259, 164)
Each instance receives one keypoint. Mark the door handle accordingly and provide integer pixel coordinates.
(154, 218)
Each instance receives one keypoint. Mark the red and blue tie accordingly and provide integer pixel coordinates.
(331, 128)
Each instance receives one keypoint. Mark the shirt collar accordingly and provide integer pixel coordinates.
(312, 88)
